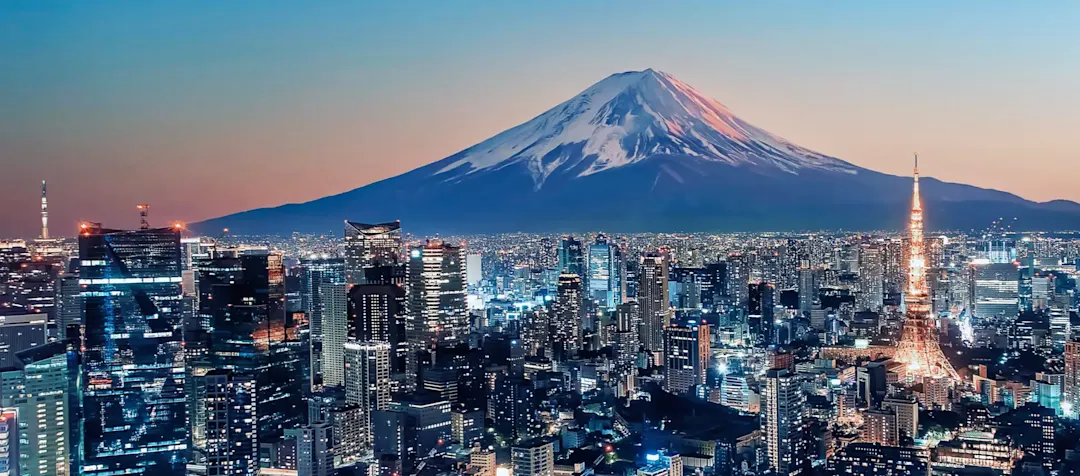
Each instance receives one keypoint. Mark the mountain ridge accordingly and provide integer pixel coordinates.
(641, 149)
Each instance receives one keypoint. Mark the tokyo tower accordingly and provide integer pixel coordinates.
(918, 347)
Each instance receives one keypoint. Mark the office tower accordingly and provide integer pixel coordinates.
(9, 434)
(314, 449)
(367, 382)
(995, 289)
(871, 459)
(536, 331)
(377, 314)
(68, 304)
(442, 382)
(880, 426)
(243, 327)
(782, 421)
(513, 407)
(627, 345)
(572, 256)
(714, 286)
(738, 277)
(567, 314)
(605, 273)
(37, 388)
(895, 269)
(689, 287)
(232, 444)
(918, 348)
(437, 309)
(395, 438)
(871, 278)
(907, 414)
(735, 392)
(430, 416)
(809, 285)
(314, 273)
(533, 458)
(1072, 378)
(133, 363)
(333, 298)
(18, 333)
(467, 426)
(871, 380)
(368, 246)
(653, 297)
(686, 357)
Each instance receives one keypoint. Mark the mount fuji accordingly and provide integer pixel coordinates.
(643, 151)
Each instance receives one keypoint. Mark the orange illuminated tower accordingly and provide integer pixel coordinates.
(918, 347)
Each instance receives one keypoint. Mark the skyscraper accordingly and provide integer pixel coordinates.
(1072, 378)
(333, 297)
(996, 289)
(686, 357)
(572, 256)
(37, 388)
(133, 362)
(367, 382)
(567, 313)
(437, 300)
(871, 278)
(232, 443)
(605, 273)
(377, 314)
(782, 421)
(314, 273)
(653, 296)
(368, 246)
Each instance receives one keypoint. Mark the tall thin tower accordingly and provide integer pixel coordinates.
(919, 343)
(44, 213)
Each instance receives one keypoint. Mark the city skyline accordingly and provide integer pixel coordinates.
(372, 91)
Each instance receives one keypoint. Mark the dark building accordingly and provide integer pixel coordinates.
(133, 364)
(873, 459)
(248, 332)
(377, 314)
(513, 408)
(572, 256)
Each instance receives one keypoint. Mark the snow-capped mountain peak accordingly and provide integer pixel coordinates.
(627, 118)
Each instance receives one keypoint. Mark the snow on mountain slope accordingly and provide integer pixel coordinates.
(629, 117)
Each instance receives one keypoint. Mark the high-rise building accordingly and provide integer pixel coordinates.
(314, 449)
(782, 421)
(572, 256)
(314, 273)
(333, 297)
(686, 357)
(653, 297)
(368, 245)
(377, 314)
(533, 458)
(232, 444)
(738, 278)
(1072, 379)
(430, 417)
(809, 286)
(437, 315)
(871, 278)
(37, 389)
(880, 427)
(907, 414)
(18, 333)
(605, 273)
(243, 328)
(132, 379)
(995, 289)
(567, 314)
(367, 382)
(513, 408)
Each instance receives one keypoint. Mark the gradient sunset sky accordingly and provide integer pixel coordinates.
(208, 108)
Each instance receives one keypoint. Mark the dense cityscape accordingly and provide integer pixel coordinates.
(381, 353)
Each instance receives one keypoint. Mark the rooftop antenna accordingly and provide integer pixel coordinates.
(144, 210)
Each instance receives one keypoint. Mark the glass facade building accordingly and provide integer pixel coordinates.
(133, 361)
